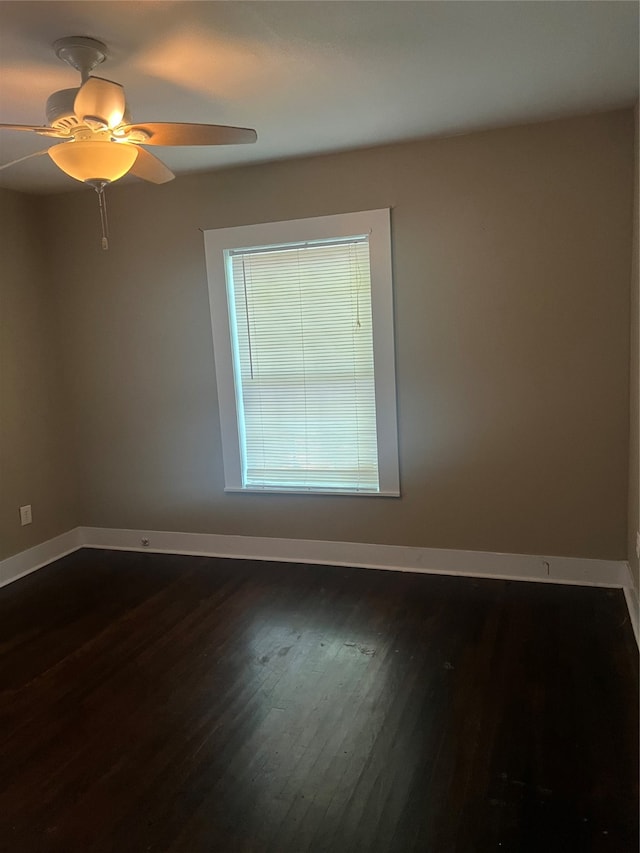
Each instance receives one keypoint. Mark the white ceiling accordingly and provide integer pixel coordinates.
(314, 77)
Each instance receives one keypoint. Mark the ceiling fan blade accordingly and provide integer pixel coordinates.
(149, 168)
(43, 131)
(180, 133)
(22, 159)
(100, 102)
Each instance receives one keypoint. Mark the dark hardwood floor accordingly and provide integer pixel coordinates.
(161, 703)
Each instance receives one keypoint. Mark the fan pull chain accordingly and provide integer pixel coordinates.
(102, 204)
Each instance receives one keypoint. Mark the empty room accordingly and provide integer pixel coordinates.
(319, 452)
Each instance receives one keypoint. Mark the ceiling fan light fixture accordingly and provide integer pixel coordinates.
(94, 160)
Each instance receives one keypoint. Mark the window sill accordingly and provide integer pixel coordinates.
(273, 490)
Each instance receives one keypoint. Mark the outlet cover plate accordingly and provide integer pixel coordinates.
(25, 515)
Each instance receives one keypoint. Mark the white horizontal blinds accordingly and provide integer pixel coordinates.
(304, 364)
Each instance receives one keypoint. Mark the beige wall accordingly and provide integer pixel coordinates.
(511, 262)
(634, 391)
(35, 466)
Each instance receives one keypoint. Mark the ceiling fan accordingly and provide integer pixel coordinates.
(99, 141)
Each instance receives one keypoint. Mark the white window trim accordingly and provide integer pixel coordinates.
(376, 223)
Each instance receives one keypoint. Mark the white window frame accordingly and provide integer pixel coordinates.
(375, 223)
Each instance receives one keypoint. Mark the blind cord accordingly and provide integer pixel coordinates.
(358, 282)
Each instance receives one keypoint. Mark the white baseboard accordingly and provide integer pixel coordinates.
(482, 564)
(633, 605)
(40, 555)
(565, 570)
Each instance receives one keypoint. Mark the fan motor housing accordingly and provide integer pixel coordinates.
(60, 113)
(59, 110)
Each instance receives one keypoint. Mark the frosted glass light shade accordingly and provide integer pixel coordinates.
(94, 160)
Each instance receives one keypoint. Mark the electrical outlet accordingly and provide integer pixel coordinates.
(25, 515)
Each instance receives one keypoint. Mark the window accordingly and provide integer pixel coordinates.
(302, 324)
